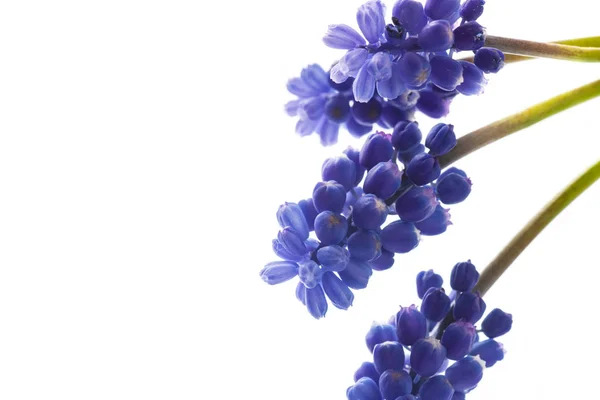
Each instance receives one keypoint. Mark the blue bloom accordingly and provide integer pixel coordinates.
(388, 355)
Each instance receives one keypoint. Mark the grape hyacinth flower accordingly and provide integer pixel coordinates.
(415, 357)
(393, 66)
(371, 204)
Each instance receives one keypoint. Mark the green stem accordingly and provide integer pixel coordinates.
(516, 246)
(592, 41)
(516, 122)
(546, 50)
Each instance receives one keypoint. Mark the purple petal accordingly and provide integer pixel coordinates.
(363, 86)
(342, 36)
(371, 20)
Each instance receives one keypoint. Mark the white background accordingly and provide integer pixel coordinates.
(144, 152)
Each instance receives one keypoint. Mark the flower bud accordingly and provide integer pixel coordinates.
(309, 211)
(383, 180)
(433, 104)
(423, 169)
(383, 262)
(414, 70)
(371, 20)
(453, 188)
(473, 80)
(411, 325)
(496, 323)
(441, 9)
(356, 274)
(406, 135)
(489, 60)
(400, 237)
(427, 280)
(436, 36)
(333, 258)
(330, 228)
(329, 196)
(464, 276)
(354, 154)
(469, 307)
(446, 73)
(369, 212)
(441, 139)
(436, 223)
(416, 204)
(310, 273)
(364, 245)
(409, 14)
(458, 339)
(338, 292)
(436, 304)
(377, 148)
(489, 351)
(340, 169)
(316, 303)
(395, 383)
(366, 369)
(364, 389)
(469, 36)
(472, 9)
(466, 373)
(278, 272)
(290, 214)
(379, 333)
(436, 388)
(388, 355)
(301, 292)
(427, 356)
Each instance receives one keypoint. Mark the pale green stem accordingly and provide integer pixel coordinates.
(544, 50)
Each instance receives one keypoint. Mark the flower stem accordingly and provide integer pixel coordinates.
(545, 50)
(591, 41)
(497, 130)
(504, 259)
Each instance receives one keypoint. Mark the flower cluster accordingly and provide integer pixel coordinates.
(392, 68)
(347, 217)
(417, 353)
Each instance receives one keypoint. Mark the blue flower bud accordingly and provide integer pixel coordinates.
(388, 355)
(446, 73)
(338, 292)
(383, 262)
(290, 214)
(278, 272)
(436, 388)
(366, 369)
(489, 351)
(436, 304)
(441, 139)
(357, 129)
(371, 20)
(489, 60)
(377, 148)
(310, 273)
(423, 169)
(367, 113)
(458, 339)
(416, 204)
(342, 37)
(309, 211)
(436, 36)
(340, 169)
(433, 105)
(394, 383)
(330, 228)
(466, 373)
(292, 242)
(400, 237)
(464, 276)
(316, 303)
(409, 14)
(469, 307)
(441, 9)
(333, 258)
(411, 325)
(427, 280)
(282, 252)
(301, 292)
(453, 188)
(369, 212)
(354, 154)
(364, 389)
(469, 36)
(406, 156)
(356, 274)
(496, 323)
(380, 333)
(436, 223)
(427, 356)
(329, 196)
(337, 109)
(414, 70)
(364, 245)
(472, 9)
(406, 135)
(383, 180)
(473, 80)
